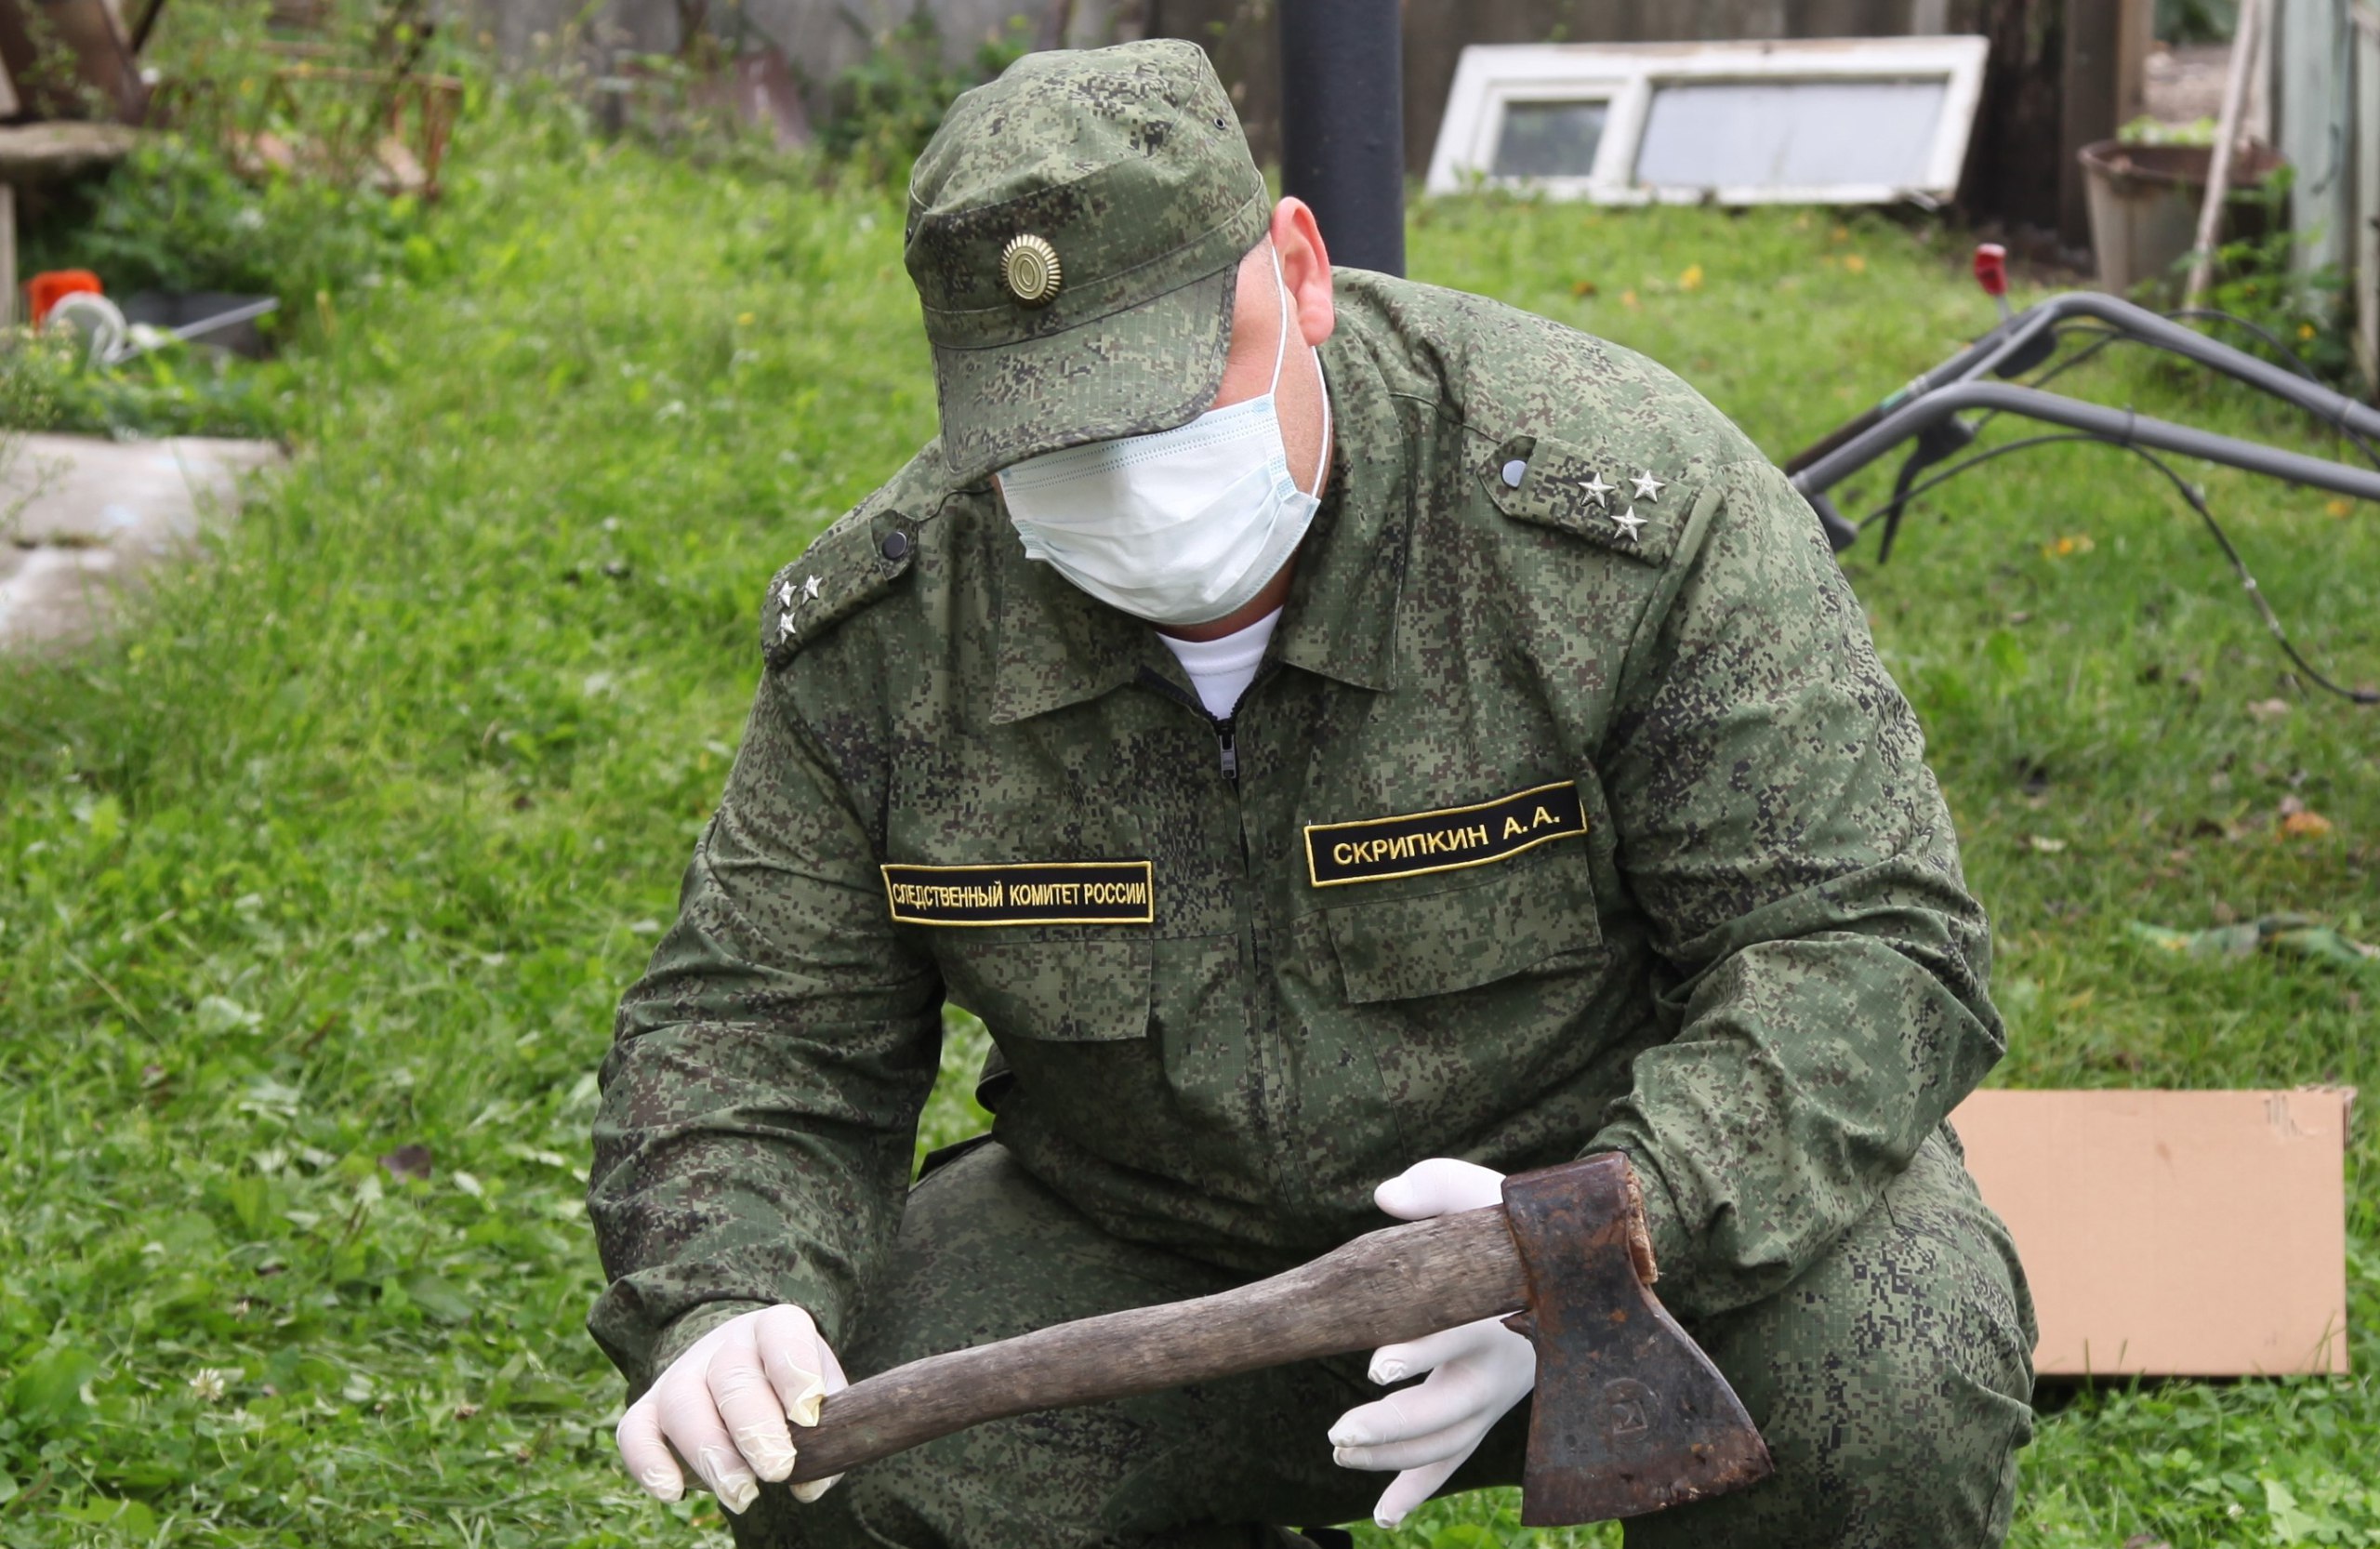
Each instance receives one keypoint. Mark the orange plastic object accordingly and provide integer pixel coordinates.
(51, 286)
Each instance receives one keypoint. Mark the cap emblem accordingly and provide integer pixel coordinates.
(1030, 266)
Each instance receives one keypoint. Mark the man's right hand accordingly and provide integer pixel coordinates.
(722, 1407)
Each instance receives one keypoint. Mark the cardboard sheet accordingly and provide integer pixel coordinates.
(2194, 1234)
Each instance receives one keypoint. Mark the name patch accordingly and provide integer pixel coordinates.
(1027, 893)
(1448, 839)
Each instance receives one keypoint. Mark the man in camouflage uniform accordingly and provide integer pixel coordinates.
(1570, 810)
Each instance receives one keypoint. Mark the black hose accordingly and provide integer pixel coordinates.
(2190, 493)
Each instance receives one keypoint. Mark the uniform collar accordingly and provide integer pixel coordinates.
(1341, 619)
(1058, 647)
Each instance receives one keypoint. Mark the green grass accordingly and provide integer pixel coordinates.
(351, 840)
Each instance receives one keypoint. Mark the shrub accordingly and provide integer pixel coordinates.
(47, 383)
(176, 216)
(2259, 280)
(890, 104)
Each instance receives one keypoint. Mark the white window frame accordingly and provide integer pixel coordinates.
(1489, 77)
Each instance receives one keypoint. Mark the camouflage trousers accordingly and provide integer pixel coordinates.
(1890, 1381)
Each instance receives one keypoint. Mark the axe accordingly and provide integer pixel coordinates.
(1630, 1415)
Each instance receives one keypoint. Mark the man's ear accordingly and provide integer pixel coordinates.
(1305, 268)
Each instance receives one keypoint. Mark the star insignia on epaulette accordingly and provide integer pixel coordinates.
(1627, 522)
(1597, 491)
(788, 599)
(1648, 487)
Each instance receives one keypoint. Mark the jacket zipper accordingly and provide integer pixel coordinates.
(1226, 727)
(1226, 730)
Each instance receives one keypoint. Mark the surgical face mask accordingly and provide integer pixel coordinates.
(1183, 526)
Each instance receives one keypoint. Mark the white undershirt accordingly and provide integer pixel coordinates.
(1222, 669)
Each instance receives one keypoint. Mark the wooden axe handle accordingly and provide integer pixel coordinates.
(1391, 1285)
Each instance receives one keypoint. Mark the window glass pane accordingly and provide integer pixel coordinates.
(1549, 139)
(1789, 134)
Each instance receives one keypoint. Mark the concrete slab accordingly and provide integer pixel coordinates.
(82, 517)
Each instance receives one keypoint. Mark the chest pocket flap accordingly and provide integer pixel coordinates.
(1519, 918)
(1058, 991)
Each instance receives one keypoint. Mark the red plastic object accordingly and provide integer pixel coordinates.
(51, 286)
(1992, 269)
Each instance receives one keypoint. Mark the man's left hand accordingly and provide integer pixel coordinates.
(1476, 1371)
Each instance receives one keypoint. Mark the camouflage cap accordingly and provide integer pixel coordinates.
(1074, 231)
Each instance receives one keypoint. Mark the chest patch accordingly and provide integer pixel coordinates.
(1411, 844)
(1025, 893)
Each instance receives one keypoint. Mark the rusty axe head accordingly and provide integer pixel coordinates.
(1630, 1415)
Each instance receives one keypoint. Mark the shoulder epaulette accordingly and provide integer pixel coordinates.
(850, 565)
(854, 562)
(1604, 498)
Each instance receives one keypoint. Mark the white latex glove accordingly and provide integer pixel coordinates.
(1478, 1371)
(722, 1405)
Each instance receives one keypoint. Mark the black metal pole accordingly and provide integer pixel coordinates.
(1342, 126)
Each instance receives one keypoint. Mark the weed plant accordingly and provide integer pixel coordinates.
(48, 382)
(2292, 314)
(319, 882)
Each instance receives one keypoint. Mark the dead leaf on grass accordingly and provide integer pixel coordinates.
(2305, 823)
(2268, 710)
(2291, 934)
(2043, 844)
